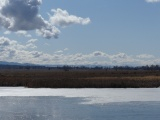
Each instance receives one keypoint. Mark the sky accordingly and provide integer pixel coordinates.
(85, 32)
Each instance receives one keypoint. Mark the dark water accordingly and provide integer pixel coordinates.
(61, 108)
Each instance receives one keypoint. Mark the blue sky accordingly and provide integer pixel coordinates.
(106, 32)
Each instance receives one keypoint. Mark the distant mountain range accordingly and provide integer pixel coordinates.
(15, 63)
(29, 64)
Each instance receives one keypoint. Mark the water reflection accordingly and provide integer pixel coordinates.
(61, 108)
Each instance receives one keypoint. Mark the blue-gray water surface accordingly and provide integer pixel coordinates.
(61, 108)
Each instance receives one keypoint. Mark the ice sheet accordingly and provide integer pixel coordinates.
(92, 96)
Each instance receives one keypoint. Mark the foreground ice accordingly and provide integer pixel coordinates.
(93, 96)
(61, 108)
(64, 104)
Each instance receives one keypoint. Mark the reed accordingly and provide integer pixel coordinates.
(80, 78)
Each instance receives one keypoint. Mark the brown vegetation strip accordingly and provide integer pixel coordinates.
(80, 78)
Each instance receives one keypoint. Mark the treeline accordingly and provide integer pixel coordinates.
(26, 67)
(67, 67)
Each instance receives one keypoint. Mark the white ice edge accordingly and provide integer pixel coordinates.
(93, 96)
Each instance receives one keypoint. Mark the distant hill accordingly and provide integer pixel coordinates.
(15, 63)
(9, 63)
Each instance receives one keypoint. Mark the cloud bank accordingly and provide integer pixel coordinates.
(23, 15)
(152, 1)
(12, 51)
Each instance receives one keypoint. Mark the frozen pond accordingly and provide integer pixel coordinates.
(79, 104)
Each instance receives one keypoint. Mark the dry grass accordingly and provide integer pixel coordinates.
(80, 78)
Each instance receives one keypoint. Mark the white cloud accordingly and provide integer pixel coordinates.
(59, 51)
(4, 42)
(23, 33)
(11, 50)
(63, 18)
(98, 53)
(119, 56)
(48, 33)
(23, 15)
(7, 32)
(30, 43)
(145, 56)
(36, 54)
(16, 14)
(32, 40)
(152, 1)
(66, 49)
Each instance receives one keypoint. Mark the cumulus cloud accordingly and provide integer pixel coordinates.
(63, 18)
(4, 42)
(98, 53)
(23, 15)
(7, 32)
(49, 32)
(59, 51)
(119, 56)
(30, 43)
(36, 54)
(17, 15)
(23, 33)
(152, 1)
(12, 51)
(8, 48)
(145, 56)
